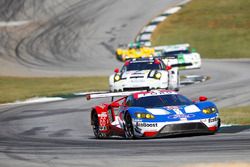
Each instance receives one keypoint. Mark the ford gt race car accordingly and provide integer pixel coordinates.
(155, 113)
(144, 74)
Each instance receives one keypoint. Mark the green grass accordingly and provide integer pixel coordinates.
(238, 115)
(216, 28)
(17, 88)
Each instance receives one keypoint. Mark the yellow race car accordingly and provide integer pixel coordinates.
(134, 51)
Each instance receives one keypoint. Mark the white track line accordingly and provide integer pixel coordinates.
(13, 23)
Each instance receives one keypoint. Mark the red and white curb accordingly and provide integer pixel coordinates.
(144, 36)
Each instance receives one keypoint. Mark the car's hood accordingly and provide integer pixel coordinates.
(185, 109)
(174, 113)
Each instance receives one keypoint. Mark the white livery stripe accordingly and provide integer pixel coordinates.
(192, 109)
(179, 112)
(158, 111)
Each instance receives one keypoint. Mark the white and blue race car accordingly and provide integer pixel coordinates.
(155, 113)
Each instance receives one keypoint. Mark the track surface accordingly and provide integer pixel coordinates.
(58, 133)
(72, 37)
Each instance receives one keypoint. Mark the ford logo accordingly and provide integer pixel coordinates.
(181, 116)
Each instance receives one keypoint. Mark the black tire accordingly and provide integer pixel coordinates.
(219, 123)
(119, 57)
(176, 89)
(129, 129)
(95, 127)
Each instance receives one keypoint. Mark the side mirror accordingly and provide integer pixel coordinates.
(203, 98)
(115, 105)
(116, 70)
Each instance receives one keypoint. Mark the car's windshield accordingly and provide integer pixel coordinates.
(161, 101)
(142, 66)
(176, 52)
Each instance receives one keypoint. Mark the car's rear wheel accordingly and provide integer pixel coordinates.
(129, 129)
(96, 128)
(119, 57)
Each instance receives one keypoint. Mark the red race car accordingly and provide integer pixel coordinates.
(154, 113)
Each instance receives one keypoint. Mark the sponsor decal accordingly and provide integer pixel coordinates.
(103, 114)
(154, 94)
(181, 116)
(103, 121)
(137, 80)
(143, 124)
(172, 107)
(137, 120)
(103, 118)
(210, 120)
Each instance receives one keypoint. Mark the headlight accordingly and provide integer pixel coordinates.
(144, 115)
(209, 110)
(117, 78)
(157, 75)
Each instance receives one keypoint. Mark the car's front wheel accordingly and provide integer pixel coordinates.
(129, 129)
(96, 127)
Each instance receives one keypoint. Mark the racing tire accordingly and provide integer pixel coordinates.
(119, 57)
(177, 89)
(128, 127)
(95, 127)
(219, 123)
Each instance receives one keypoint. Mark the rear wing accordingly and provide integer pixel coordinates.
(170, 48)
(113, 94)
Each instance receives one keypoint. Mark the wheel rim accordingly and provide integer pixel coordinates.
(96, 126)
(129, 131)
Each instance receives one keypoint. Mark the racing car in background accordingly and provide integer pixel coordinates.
(155, 113)
(133, 51)
(179, 54)
(144, 74)
(170, 54)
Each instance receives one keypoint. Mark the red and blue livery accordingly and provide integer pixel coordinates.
(155, 113)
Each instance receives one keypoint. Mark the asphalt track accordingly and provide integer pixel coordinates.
(71, 37)
(59, 133)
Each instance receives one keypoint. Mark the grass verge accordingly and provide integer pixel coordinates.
(217, 28)
(17, 88)
(237, 115)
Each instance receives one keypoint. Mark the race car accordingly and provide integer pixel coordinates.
(133, 50)
(144, 74)
(170, 54)
(155, 113)
(179, 54)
